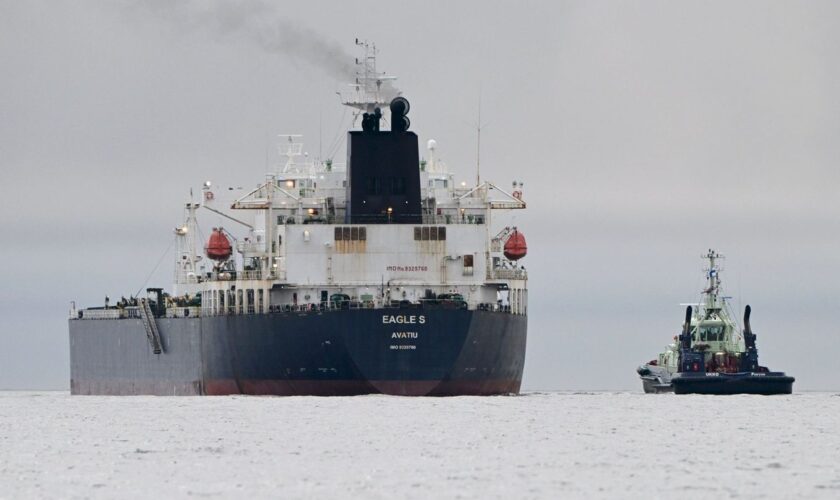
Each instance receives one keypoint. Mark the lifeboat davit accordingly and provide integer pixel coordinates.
(218, 246)
(515, 246)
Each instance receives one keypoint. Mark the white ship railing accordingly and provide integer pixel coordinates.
(453, 219)
(237, 310)
(195, 311)
(250, 275)
(183, 312)
(110, 313)
(254, 274)
(101, 314)
(134, 312)
(507, 274)
(249, 247)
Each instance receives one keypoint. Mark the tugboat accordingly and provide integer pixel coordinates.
(710, 356)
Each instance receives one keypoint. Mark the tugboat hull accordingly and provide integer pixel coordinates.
(769, 383)
(655, 379)
(652, 385)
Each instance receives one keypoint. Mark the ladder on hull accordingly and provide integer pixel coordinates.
(151, 326)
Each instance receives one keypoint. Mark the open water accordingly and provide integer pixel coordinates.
(539, 445)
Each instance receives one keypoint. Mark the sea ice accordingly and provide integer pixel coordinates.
(539, 445)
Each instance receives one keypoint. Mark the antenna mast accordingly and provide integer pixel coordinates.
(478, 146)
(478, 127)
(367, 93)
(713, 277)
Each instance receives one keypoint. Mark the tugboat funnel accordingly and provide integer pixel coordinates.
(685, 338)
(747, 311)
(750, 360)
(749, 337)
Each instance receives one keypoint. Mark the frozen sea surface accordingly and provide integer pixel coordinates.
(540, 445)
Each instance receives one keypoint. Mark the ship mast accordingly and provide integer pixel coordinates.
(371, 89)
(186, 272)
(293, 149)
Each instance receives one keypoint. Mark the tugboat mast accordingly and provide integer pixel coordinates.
(712, 305)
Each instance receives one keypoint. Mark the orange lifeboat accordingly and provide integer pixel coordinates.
(515, 246)
(218, 246)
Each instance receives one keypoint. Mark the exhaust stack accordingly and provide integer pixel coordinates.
(749, 363)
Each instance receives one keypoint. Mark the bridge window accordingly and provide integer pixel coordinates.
(711, 333)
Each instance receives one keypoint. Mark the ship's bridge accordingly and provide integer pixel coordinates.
(711, 331)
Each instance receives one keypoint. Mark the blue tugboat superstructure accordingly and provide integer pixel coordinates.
(712, 355)
(378, 276)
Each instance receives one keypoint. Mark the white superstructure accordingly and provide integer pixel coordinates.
(298, 252)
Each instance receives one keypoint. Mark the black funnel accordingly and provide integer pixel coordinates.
(383, 171)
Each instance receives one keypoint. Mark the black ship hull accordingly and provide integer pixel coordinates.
(767, 383)
(416, 352)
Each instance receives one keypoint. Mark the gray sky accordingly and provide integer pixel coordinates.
(645, 133)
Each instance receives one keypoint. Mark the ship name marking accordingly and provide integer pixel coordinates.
(403, 319)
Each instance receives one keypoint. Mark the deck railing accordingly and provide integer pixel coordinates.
(355, 305)
(133, 312)
(506, 274)
(250, 274)
(109, 313)
(193, 312)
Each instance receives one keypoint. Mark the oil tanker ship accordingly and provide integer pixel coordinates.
(378, 276)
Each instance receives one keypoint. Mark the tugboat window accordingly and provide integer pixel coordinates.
(711, 333)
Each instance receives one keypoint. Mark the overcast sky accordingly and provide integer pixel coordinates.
(645, 133)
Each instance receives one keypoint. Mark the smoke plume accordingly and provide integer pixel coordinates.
(257, 22)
